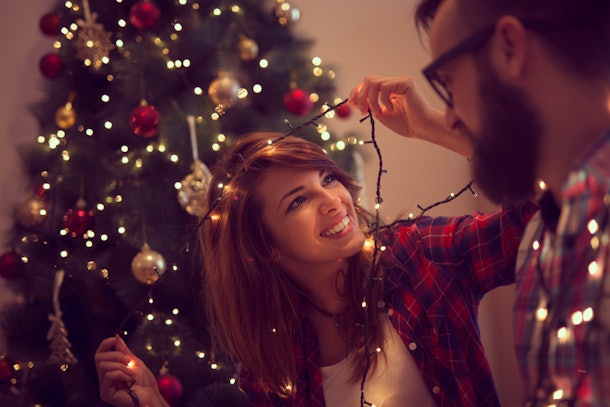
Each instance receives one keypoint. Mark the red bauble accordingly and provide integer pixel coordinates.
(78, 221)
(170, 388)
(144, 15)
(298, 102)
(144, 120)
(6, 370)
(51, 65)
(10, 268)
(343, 111)
(49, 24)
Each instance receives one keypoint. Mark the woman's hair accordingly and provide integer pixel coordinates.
(251, 303)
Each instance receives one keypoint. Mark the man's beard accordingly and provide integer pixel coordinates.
(506, 152)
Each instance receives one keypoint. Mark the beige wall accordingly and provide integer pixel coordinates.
(358, 38)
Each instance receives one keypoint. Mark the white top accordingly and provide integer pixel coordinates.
(394, 384)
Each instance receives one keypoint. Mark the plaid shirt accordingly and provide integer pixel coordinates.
(562, 311)
(450, 264)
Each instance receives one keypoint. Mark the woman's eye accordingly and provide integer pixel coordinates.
(328, 178)
(296, 202)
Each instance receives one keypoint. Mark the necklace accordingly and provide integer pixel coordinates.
(321, 310)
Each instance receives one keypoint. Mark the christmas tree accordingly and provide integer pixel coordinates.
(142, 98)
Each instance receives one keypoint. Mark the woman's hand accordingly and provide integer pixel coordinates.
(120, 373)
(398, 104)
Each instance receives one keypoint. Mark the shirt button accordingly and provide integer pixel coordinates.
(436, 390)
(412, 345)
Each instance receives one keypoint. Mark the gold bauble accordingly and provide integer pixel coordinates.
(65, 117)
(248, 48)
(223, 90)
(32, 212)
(148, 265)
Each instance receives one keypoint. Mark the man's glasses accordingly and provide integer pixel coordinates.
(469, 44)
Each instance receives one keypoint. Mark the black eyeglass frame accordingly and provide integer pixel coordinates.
(467, 45)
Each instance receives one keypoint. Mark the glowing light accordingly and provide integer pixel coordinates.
(340, 145)
(216, 12)
(121, 229)
(536, 245)
(587, 314)
(200, 354)
(263, 63)
(257, 88)
(198, 91)
(122, 23)
(542, 185)
(168, 322)
(363, 304)
(108, 125)
(558, 394)
(150, 317)
(174, 158)
(576, 318)
(215, 147)
(131, 364)
(317, 61)
(175, 311)
(593, 268)
(177, 343)
(63, 253)
(563, 334)
(541, 313)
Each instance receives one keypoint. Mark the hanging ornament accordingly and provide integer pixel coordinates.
(65, 116)
(298, 102)
(194, 187)
(247, 47)
(170, 388)
(58, 334)
(49, 25)
(144, 120)
(10, 266)
(92, 43)
(224, 90)
(32, 212)
(148, 265)
(6, 370)
(144, 15)
(78, 220)
(285, 13)
(51, 65)
(344, 111)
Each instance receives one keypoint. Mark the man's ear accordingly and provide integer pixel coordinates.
(510, 48)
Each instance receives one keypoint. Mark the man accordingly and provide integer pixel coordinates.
(528, 84)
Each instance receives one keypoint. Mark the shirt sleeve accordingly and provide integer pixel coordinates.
(480, 249)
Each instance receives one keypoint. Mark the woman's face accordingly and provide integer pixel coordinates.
(311, 218)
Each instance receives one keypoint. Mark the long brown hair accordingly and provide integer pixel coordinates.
(251, 303)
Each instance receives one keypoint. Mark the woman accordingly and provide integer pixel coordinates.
(292, 294)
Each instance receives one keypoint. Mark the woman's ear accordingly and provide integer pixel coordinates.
(510, 49)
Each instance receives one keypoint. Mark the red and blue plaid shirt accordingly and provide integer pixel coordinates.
(448, 264)
(562, 310)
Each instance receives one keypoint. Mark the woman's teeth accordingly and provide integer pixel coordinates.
(338, 228)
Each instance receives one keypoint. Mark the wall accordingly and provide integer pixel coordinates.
(358, 39)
